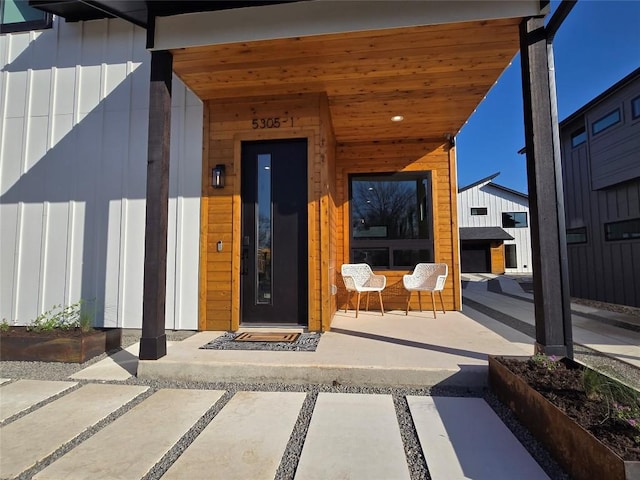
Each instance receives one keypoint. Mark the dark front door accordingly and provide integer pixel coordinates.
(274, 232)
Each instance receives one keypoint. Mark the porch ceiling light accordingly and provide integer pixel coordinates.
(397, 118)
(217, 176)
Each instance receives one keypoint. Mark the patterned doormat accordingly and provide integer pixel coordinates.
(304, 342)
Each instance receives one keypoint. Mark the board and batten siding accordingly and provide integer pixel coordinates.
(73, 158)
(600, 270)
(497, 201)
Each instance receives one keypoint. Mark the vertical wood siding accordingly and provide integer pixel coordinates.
(496, 202)
(73, 137)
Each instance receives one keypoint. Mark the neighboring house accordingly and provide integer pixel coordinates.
(494, 228)
(286, 138)
(601, 175)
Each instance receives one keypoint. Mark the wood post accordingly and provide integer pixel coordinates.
(153, 344)
(546, 203)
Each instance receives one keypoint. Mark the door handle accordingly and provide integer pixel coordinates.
(244, 258)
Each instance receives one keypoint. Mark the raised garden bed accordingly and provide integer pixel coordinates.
(583, 434)
(74, 345)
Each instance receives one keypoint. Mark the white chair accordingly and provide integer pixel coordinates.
(427, 277)
(358, 277)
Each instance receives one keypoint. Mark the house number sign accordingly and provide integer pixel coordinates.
(271, 122)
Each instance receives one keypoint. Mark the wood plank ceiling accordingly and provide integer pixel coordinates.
(434, 76)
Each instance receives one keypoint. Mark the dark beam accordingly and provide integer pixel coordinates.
(153, 343)
(558, 17)
(544, 177)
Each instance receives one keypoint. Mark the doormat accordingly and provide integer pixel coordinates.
(266, 337)
(305, 342)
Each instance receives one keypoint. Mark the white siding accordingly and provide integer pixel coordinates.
(73, 157)
(497, 201)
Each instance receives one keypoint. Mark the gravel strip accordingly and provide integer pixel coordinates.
(416, 462)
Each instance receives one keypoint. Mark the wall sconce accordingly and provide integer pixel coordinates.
(217, 176)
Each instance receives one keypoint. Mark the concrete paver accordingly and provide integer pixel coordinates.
(464, 438)
(4, 380)
(130, 446)
(246, 440)
(40, 433)
(23, 394)
(353, 436)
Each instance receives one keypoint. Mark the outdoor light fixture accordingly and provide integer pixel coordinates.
(217, 176)
(397, 118)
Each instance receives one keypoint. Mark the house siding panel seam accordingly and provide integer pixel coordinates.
(73, 136)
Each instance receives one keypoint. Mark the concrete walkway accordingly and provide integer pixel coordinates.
(84, 428)
(353, 436)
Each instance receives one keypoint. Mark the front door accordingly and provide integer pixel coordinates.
(274, 232)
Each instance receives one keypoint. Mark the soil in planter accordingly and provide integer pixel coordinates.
(563, 386)
(54, 333)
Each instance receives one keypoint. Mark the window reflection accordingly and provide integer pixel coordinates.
(263, 245)
(391, 219)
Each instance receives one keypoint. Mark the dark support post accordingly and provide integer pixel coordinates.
(544, 176)
(153, 343)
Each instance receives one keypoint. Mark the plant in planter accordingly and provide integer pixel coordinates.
(588, 421)
(61, 334)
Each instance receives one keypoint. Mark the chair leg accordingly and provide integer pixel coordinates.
(441, 302)
(381, 306)
(358, 305)
(433, 302)
(348, 298)
(367, 308)
(420, 299)
(408, 302)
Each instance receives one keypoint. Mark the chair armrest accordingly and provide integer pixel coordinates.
(377, 281)
(409, 281)
(440, 282)
(349, 282)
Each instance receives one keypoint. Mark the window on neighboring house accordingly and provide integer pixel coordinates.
(635, 107)
(18, 16)
(391, 219)
(625, 230)
(578, 137)
(576, 235)
(510, 257)
(514, 220)
(609, 120)
(478, 210)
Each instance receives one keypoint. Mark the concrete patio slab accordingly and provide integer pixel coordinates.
(353, 436)
(23, 394)
(464, 438)
(118, 366)
(247, 453)
(389, 350)
(130, 446)
(37, 435)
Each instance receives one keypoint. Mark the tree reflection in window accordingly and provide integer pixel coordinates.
(391, 220)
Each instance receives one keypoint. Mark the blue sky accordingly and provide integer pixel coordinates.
(597, 45)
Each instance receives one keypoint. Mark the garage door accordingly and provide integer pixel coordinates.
(475, 258)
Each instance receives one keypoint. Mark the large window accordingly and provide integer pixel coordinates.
(391, 219)
(18, 16)
(609, 120)
(510, 256)
(514, 220)
(625, 230)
